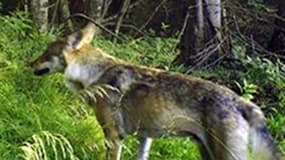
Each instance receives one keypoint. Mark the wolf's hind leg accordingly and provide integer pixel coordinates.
(228, 138)
(204, 151)
(114, 149)
(145, 145)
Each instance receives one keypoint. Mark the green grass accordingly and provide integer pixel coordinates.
(41, 119)
(33, 107)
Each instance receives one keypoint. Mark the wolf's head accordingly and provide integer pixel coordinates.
(53, 58)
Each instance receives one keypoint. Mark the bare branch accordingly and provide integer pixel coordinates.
(97, 24)
(123, 11)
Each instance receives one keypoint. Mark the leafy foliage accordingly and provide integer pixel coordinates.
(247, 89)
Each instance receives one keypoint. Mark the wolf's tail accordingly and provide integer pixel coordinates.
(262, 143)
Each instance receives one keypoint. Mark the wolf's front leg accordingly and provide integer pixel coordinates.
(145, 145)
(114, 149)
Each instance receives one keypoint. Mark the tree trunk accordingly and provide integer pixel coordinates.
(39, 12)
(214, 37)
(194, 45)
(277, 42)
(65, 15)
(60, 14)
(96, 9)
(187, 43)
(215, 17)
(200, 24)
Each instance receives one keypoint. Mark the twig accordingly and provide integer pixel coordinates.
(135, 4)
(108, 19)
(56, 5)
(97, 24)
(126, 26)
(205, 54)
(124, 9)
(106, 5)
(186, 19)
(258, 48)
(258, 15)
(252, 44)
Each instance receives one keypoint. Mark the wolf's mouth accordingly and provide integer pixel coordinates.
(41, 71)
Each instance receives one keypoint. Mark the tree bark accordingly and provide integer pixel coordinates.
(122, 13)
(96, 9)
(215, 16)
(39, 12)
(200, 24)
(65, 14)
(214, 10)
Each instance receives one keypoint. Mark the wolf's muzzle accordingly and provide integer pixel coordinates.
(41, 71)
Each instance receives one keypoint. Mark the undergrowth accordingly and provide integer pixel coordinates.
(41, 119)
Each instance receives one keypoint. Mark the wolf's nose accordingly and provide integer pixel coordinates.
(41, 71)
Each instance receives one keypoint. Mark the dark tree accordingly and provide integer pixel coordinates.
(277, 42)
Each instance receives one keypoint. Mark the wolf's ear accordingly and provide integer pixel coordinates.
(84, 36)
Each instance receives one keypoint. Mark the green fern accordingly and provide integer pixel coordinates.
(43, 145)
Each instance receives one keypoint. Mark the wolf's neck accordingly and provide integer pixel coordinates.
(89, 71)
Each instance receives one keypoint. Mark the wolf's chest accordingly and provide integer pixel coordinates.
(81, 76)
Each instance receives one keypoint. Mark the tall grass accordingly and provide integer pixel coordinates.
(35, 148)
(39, 118)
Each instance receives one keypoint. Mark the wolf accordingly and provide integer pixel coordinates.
(146, 102)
